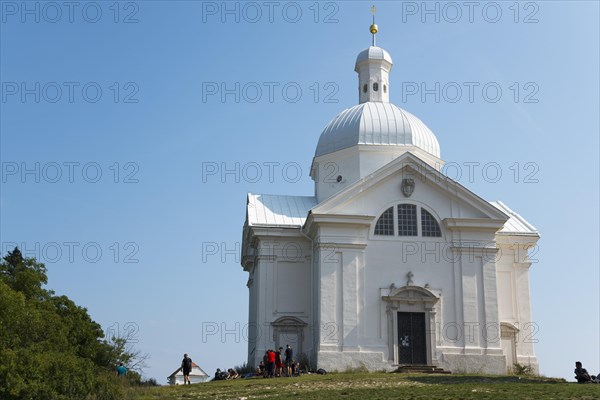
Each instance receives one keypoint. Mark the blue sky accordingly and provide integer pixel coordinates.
(144, 124)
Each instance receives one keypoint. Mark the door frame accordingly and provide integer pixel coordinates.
(289, 325)
(411, 299)
(421, 320)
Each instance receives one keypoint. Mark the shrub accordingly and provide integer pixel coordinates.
(245, 368)
(519, 369)
(304, 362)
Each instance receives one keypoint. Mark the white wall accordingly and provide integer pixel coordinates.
(193, 378)
(357, 162)
(340, 296)
(281, 287)
(351, 282)
(514, 293)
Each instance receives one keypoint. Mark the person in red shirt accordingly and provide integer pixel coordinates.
(270, 362)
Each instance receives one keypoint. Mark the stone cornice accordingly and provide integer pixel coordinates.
(523, 240)
(265, 231)
(338, 245)
(487, 251)
(522, 265)
(341, 220)
(473, 224)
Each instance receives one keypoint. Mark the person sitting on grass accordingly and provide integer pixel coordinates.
(232, 374)
(220, 375)
(581, 374)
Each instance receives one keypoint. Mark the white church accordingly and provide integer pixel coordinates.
(390, 263)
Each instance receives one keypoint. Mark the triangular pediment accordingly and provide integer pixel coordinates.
(467, 204)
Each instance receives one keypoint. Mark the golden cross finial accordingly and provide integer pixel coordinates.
(373, 27)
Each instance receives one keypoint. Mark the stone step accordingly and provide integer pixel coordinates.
(420, 369)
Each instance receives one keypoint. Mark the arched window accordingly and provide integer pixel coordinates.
(365, 88)
(375, 86)
(407, 220)
(385, 223)
(384, 88)
(429, 226)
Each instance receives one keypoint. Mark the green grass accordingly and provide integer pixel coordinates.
(374, 386)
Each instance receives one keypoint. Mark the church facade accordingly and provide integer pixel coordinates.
(390, 262)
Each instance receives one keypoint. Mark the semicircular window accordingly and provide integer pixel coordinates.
(385, 223)
(429, 225)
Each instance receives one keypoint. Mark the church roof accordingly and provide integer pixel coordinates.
(292, 211)
(376, 123)
(278, 210)
(516, 225)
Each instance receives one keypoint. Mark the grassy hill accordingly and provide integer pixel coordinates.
(374, 386)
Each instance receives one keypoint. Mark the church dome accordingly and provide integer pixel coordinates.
(376, 123)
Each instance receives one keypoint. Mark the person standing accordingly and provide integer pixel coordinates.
(266, 364)
(186, 366)
(289, 360)
(270, 362)
(121, 371)
(279, 362)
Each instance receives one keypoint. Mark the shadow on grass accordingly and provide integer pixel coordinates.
(466, 379)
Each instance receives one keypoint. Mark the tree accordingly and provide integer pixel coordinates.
(50, 348)
(24, 275)
(124, 352)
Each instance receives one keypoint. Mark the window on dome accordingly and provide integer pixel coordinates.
(365, 88)
(385, 223)
(407, 220)
(375, 86)
(384, 88)
(429, 226)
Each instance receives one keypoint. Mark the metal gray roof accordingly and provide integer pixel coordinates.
(276, 210)
(373, 53)
(376, 123)
(291, 211)
(516, 224)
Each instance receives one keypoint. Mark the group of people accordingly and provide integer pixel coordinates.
(278, 363)
(281, 363)
(230, 374)
(582, 375)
